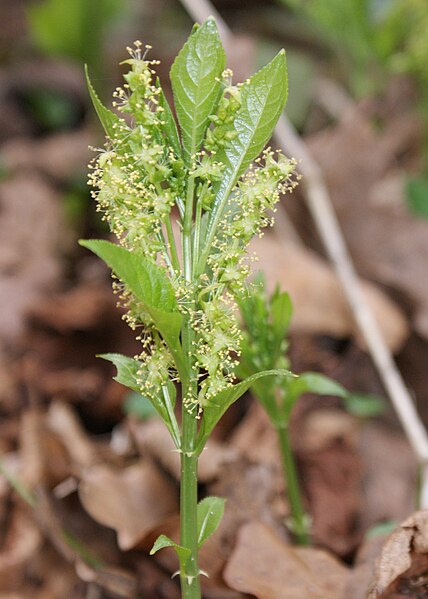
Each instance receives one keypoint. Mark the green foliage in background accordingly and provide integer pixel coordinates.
(72, 29)
(266, 321)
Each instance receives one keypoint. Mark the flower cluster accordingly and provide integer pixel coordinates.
(252, 209)
(138, 178)
(142, 185)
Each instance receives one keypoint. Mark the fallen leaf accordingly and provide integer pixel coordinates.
(82, 308)
(389, 246)
(320, 306)
(57, 155)
(362, 572)
(327, 453)
(265, 566)
(133, 501)
(152, 437)
(404, 559)
(113, 580)
(20, 545)
(389, 475)
(30, 256)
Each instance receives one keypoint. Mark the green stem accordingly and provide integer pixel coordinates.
(299, 519)
(189, 575)
(190, 586)
(171, 243)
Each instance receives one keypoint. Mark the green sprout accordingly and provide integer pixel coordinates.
(184, 203)
(264, 346)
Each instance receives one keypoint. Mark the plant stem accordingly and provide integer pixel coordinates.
(189, 576)
(190, 586)
(299, 519)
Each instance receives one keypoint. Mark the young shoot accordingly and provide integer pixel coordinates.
(264, 346)
(184, 202)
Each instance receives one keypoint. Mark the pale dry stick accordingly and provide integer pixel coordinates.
(321, 208)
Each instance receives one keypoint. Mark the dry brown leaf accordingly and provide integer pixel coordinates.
(79, 309)
(388, 245)
(389, 475)
(327, 450)
(30, 256)
(64, 423)
(319, 304)
(363, 568)
(114, 580)
(265, 566)
(406, 547)
(58, 155)
(133, 501)
(152, 437)
(20, 545)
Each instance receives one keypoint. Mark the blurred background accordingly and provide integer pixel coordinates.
(84, 459)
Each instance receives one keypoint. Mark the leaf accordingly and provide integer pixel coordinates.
(127, 369)
(314, 382)
(308, 382)
(281, 309)
(150, 284)
(163, 403)
(107, 118)
(196, 84)
(147, 281)
(223, 400)
(417, 196)
(169, 127)
(163, 541)
(364, 405)
(139, 406)
(263, 99)
(209, 513)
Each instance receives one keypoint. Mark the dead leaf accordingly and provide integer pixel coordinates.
(362, 572)
(407, 547)
(57, 155)
(79, 309)
(152, 437)
(265, 566)
(331, 478)
(20, 545)
(30, 255)
(389, 475)
(65, 424)
(320, 306)
(114, 580)
(388, 245)
(133, 501)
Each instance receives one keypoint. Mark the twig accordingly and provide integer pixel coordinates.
(320, 206)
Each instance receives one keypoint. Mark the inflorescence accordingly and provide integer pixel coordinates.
(140, 183)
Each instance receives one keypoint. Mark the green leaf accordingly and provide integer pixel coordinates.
(209, 513)
(163, 541)
(314, 382)
(127, 369)
(108, 119)
(281, 309)
(139, 406)
(196, 84)
(163, 402)
(263, 99)
(417, 196)
(381, 529)
(150, 284)
(147, 281)
(364, 405)
(169, 127)
(223, 400)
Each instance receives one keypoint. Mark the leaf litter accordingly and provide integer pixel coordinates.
(60, 411)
